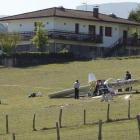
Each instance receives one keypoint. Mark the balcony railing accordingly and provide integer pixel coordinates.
(132, 41)
(65, 35)
(72, 36)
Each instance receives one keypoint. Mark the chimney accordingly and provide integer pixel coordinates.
(95, 11)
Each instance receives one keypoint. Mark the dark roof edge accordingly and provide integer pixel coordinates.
(27, 18)
(72, 18)
(55, 13)
(99, 20)
(26, 13)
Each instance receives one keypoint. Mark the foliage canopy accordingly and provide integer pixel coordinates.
(134, 15)
(41, 36)
(9, 41)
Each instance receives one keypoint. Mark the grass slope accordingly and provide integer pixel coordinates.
(17, 83)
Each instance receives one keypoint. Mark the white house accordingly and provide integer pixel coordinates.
(77, 31)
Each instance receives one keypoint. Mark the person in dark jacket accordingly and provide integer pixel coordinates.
(127, 77)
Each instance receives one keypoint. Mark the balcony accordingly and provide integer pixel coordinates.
(66, 35)
(132, 41)
(72, 36)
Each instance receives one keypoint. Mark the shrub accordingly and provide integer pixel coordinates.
(37, 55)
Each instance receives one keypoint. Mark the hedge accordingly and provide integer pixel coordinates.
(37, 55)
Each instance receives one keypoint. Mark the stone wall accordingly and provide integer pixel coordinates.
(10, 62)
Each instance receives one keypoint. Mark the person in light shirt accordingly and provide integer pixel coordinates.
(76, 87)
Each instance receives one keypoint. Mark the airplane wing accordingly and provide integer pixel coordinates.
(67, 92)
(83, 89)
(122, 84)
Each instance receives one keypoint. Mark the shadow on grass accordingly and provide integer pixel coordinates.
(3, 104)
(94, 123)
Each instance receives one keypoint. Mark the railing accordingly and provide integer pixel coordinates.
(65, 35)
(132, 41)
(119, 41)
(126, 41)
(72, 36)
(113, 46)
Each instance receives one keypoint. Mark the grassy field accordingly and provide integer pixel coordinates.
(18, 83)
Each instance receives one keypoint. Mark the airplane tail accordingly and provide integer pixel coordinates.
(92, 81)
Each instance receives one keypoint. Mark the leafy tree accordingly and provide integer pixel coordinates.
(41, 36)
(9, 41)
(134, 15)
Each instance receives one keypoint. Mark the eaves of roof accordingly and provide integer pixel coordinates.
(71, 14)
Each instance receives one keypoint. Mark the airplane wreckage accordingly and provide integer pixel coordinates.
(98, 87)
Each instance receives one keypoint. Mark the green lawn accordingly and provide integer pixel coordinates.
(17, 84)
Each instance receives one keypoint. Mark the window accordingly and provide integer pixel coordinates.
(76, 28)
(35, 24)
(101, 30)
(108, 31)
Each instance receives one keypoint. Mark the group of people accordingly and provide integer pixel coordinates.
(76, 85)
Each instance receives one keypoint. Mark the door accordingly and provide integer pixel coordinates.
(124, 36)
(76, 28)
(92, 32)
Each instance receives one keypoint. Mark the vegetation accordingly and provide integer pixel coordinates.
(10, 41)
(135, 14)
(64, 54)
(41, 37)
(18, 83)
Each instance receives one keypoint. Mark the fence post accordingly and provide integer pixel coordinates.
(100, 130)
(128, 109)
(14, 136)
(84, 117)
(7, 131)
(138, 125)
(0, 100)
(60, 116)
(34, 122)
(108, 112)
(57, 130)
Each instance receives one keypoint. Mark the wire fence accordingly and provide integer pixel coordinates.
(109, 131)
(68, 117)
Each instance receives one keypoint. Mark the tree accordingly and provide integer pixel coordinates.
(9, 41)
(134, 15)
(41, 36)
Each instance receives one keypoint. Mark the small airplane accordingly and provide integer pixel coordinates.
(97, 87)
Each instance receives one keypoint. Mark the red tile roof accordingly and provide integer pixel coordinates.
(69, 13)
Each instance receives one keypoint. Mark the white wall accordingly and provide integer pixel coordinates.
(58, 23)
(126, 28)
(28, 24)
(84, 25)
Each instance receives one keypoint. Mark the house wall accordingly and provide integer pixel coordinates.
(69, 25)
(84, 27)
(126, 28)
(28, 24)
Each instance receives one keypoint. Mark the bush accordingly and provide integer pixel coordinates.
(37, 55)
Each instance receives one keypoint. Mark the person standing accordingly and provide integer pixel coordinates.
(76, 87)
(128, 76)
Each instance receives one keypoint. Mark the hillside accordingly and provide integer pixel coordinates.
(120, 9)
(3, 27)
(3, 16)
(19, 82)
